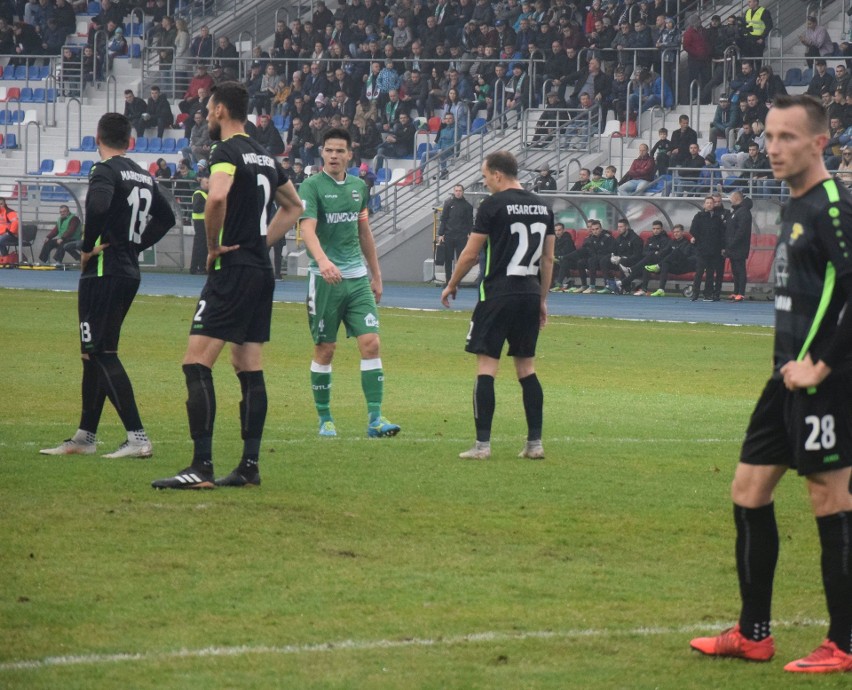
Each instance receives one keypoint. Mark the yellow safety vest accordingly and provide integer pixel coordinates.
(754, 21)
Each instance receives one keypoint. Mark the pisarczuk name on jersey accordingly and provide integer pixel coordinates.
(258, 159)
(526, 209)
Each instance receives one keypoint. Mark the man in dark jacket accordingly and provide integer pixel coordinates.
(399, 143)
(562, 250)
(134, 109)
(656, 247)
(738, 242)
(628, 247)
(708, 232)
(456, 224)
(595, 255)
(268, 136)
(158, 113)
(678, 258)
(681, 140)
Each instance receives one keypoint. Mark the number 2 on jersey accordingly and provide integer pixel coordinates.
(263, 182)
(525, 262)
(140, 201)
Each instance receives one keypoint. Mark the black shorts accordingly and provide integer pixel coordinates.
(811, 432)
(102, 304)
(513, 318)
(235, 305)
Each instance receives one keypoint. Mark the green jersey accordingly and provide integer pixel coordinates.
(337, 206)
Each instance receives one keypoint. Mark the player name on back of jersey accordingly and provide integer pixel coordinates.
(258, 159)
(133, 176)
(526, 209)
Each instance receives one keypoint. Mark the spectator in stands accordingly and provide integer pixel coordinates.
(545, 182)
(710, 176)
(756, 171)
(54, 37)
(679, 259)
(816, 40)
(554, 118)
(738, 242)
(8, 228)
(134, 109)
(201, 48)
(660, 151)
(399, 143)
(111, 12)
(725, 119)
(7, 38)
(698, 50)
(459, 110)
(768, 86)
(298, 135)
(842, 77)
(654, 91)
(668, 43)
(758, 25)
(621, 43)
(682, 138)
(27, 42)
(268, 136)
(65, 17)
(201, 80)
(593, 80)
(583, 178)
(822, 80)
(518, 89)
(165, 42)
(687, 172)
(158, 114)
(745, 83)
(844, 170)
(163, 172)
(199, 140)
(708, 232)
(183, 61)
(184, 171)
(387, 80)
(642, 44)
(262, 100)
(115, 48)
(657, 246)
(596, 182)
(226, 56)
(618, 95)
(755, 110)
(389, 114)
(446, 145)
(640, 175)
(63, 237)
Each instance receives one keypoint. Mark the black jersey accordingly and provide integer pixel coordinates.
(516, 222)
(134, 199)
(256, 177)
(812, 253)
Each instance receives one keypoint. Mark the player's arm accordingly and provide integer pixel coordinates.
(98, 202)
(467, 260)
(214, 213)
(162, 220)
(371, 257)
(329, 272)
(806, 373)
(289, 210)
(546, 275)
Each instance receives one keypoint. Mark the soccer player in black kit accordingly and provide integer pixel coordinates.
(515, 229)
(803, 419)
(236, 303)
(125, 214)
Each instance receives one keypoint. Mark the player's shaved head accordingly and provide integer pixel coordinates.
(816, 115)
(114, 131)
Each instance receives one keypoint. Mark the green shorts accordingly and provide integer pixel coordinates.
(350, 301)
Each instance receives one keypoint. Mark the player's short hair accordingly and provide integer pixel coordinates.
(502, 162)
(675, 227)
(657, 222)
(816, 113)
(338, 133)
(623, 220)
(114, 131)
(234, 96)
(594, 221)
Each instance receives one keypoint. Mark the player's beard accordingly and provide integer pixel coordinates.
(215, 131)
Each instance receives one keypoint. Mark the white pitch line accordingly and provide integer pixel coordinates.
(370, 645)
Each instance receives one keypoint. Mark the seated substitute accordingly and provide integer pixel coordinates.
(63, 237)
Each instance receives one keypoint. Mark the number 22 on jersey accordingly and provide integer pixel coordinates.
(524, 261)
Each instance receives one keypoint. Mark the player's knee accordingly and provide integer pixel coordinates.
(324, 352)
(829, 493)
(369, 345)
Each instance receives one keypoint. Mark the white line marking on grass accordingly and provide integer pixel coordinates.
(371, 645)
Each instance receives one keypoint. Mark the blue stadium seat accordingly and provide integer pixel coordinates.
(155, 145)
(136, 51)
(353, 170)
(3, 117)
(86, 168)
(51, 95)
(43, 72)
(45, 168)
(27, 95)
(375, 203)
(659, 185)
(9, 74)
(383, 175)
(88, 144)
(807, 75)
(169, 145)
(21, 72)
(421, 149)
(17, 117)
(172, 167)
(278, 121)
(141, 145)
(182, 143)
(479, 126)
(38, 95)
(94, 7)
(11, 141)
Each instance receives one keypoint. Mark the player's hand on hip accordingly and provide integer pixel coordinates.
(377, 288)
(329, 272)
(446, 293)
(804, 373)
(85, 256)
(215, 253)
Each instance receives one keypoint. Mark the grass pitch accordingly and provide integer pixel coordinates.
(391, 563)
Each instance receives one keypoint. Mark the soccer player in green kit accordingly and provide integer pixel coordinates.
(345, 281)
